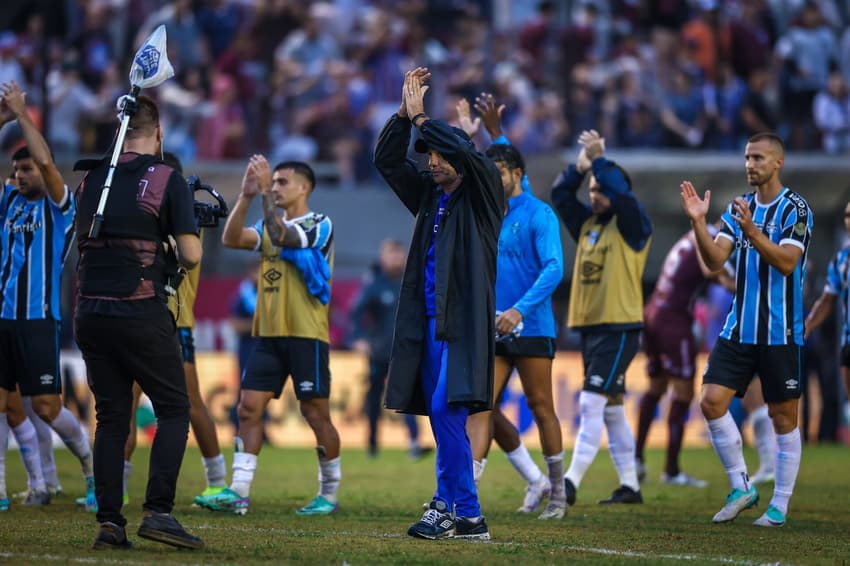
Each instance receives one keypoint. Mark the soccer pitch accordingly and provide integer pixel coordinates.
(380, 498)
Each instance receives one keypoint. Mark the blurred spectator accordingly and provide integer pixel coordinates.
(682, 113)
(186, 45)
(70, 100)
(725, 117)
(183, 103)
(94, 44)
(219, 20)
(831, 111)
(748, 38)
(806, 51)
(10, 67)
(538, 40)
(757, 112)
(221, 133)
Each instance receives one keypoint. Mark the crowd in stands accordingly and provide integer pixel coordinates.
(296, 79)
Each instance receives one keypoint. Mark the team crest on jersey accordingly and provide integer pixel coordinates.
(305, 386)
(770, 228)
(46, 379)
(593, 237)
(589, 269)
(272, 276)
(515, 227)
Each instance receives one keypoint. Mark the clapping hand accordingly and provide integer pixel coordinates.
(464, 119)
(695, 207)
(485, 104)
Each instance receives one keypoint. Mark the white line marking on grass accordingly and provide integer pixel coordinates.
(58, 558)
(587, 549)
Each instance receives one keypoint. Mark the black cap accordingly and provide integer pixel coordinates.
(421, 146)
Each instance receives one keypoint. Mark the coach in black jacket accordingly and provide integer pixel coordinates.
(450, 308)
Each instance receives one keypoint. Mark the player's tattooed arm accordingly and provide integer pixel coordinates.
(280, 234)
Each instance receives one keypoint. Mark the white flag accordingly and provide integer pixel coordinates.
(150, 65)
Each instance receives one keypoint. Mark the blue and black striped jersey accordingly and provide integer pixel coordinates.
(36, 237)
(768, 306)
(838, 283)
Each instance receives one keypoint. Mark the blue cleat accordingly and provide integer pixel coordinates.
(319, 506)
(736, 502)
(773, 517)
(225, 500)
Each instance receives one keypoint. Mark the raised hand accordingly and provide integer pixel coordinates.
(695, 207)
(485, 104)
(414, 90)
(12, 102)
(467, 124)
(262, 172)
(250, 188)
(583, 163)
(743, 216)
(593, 143)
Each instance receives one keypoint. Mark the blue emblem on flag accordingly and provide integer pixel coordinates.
(148, 61)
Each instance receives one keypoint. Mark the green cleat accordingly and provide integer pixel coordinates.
(225, 500)
(773, 517)
(319, 506)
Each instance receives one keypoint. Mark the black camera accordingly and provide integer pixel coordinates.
(206, 213)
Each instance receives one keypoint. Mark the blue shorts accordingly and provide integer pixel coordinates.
(29, 356)
(274, 359)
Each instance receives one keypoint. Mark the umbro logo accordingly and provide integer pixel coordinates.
(306, 386)
(46, 379)
(791, 383)
(446, 524)
(272, 275)
(588, 269)
(595, 380)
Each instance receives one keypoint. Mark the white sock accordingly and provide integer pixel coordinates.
(478, 469)
(592, 409)
(215, 471)
(787, 465)
(330, 473)
(4, 444)
(726, 439)
(555, 467)
(45, 444)
(75, 438)
(28, 443)
(522, 462)
(244, 466)
(128, 469)
(621, 445)
(765, 438)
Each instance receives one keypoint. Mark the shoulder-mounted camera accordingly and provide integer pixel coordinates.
(206, 213)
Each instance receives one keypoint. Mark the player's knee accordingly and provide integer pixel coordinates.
(711, 408)
(248, 411)
(47, 407)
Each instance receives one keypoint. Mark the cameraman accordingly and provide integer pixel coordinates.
(182, 304)
(123, 326)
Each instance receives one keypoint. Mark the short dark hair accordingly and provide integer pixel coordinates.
(145, 120)
(506, 154)
(768, 136)
(172, 161)
(22, 153)
(301, 168)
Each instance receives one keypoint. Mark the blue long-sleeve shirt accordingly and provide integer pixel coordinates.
(632, 220)
(530, 264)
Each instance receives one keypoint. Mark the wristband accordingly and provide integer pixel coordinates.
(413, 120)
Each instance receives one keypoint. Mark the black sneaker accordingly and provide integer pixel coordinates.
(623, 494)
(111, 535)
(570, 490)
(472, 528)
(436, 522)
(164, 528)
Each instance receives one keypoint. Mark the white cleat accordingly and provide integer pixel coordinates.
(534, 494)
(683, 479)
(762, 476)
(554, 510)
(736, 502)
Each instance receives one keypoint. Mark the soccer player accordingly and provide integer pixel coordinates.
(36, 227)
(606, 300)
(670, 347)
(837, 288)
(290, 321)
(771, 228)
(529, 266)
(443, 348)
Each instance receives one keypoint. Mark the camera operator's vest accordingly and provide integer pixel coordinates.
(127, 262)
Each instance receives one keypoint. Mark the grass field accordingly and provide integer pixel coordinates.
(380, 498)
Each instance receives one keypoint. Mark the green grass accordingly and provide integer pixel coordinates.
(381, 498)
